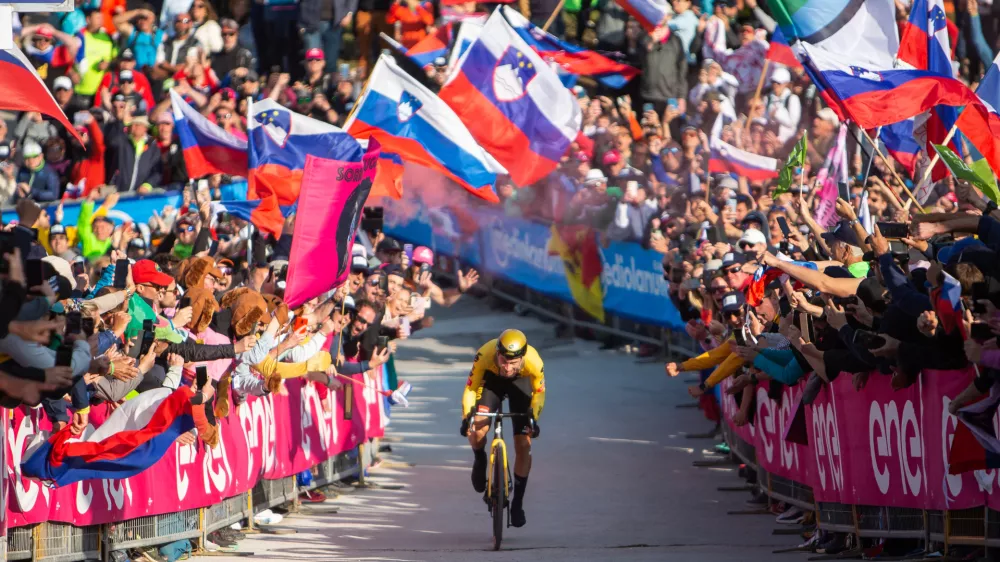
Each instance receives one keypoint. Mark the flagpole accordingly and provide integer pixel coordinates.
(760, 82)
(555, 14)
(892, 168)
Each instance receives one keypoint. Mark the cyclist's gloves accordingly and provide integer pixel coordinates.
(535, 430)
(464, 430)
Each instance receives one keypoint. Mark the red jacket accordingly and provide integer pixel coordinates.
(92, 167)
(142, 87)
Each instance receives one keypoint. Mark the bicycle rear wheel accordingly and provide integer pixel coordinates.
(498, 495)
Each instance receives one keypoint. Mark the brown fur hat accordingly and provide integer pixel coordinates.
(203, 307)
(248, 307)
(197, 269)
(277, 307)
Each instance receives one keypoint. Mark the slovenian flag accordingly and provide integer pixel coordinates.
(926, 45)
(431, 47)
(947, 302)
(413, 124)
(133, 438)
(649, 13)
(898, 140)
(513, 103)
(726, 158)
(778, 50)
(571, 58)
(280, 140)
(207, 148)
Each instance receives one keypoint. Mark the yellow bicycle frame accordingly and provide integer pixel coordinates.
(489, 472)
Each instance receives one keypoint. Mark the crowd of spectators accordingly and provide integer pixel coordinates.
(639, 174)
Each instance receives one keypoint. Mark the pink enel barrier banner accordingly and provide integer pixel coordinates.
(271, 437)
(878, 446)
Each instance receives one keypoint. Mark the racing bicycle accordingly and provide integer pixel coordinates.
(498, 480)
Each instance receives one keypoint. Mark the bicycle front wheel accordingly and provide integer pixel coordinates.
(498, 494)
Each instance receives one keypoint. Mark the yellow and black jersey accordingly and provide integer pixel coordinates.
(485, 365)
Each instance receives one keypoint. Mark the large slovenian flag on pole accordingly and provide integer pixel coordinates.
(925, 45)
(726, 158)
(409, 121)
(207, 148)
(847, 47)
(133, 438)
(873, 97)
(571, 58)
(21, 89)
(649, 13)
(279, 143)
(513, 103)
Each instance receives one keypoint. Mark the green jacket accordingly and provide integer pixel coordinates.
(140, 311)
(92, 247)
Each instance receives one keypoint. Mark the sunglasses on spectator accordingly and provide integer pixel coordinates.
(361, 320)
(719, 289)
(127, 81)
(732, 270)
(186, 228)
(184, 20)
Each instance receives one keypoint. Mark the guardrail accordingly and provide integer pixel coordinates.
(62, 542)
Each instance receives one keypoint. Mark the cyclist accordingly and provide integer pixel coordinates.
(506, 367)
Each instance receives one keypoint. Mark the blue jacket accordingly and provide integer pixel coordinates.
(44, 183)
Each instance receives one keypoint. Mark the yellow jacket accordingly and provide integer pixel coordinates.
(725, 362)
(270, 365)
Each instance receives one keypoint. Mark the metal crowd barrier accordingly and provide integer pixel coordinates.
(977, 526)
(62, 542)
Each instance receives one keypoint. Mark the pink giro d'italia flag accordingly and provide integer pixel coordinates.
(207, 148)
(726, 158)
(21, 89)
(513, 103)
(332, 195)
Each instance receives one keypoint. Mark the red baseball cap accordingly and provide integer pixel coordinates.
(146, 271)
(315, 54)
(44, 32)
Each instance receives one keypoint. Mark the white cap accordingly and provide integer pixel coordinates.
(31, 149)
(595, 175)
(781, 76)
(359, 250)
(829, 115)
(62, 268)
(752, 236)
(62, 83)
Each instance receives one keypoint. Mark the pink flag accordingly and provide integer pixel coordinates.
(329, 211)
(833, 173)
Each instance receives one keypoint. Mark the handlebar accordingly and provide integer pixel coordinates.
(501, 415)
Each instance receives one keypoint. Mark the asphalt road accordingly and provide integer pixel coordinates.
(612, 476)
